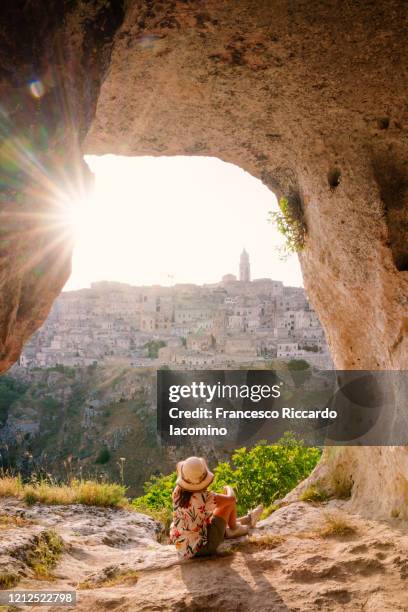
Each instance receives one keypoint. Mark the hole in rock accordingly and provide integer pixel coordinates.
(383, 123)
(334, 178)
(392, 180)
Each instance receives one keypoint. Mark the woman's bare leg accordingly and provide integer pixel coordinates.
(228, 512)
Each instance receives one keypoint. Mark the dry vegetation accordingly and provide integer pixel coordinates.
(266, 541)
(9, 522)
(87, 492)
(11, 486)
(41, 558)
(115, 579)
(336, 524)
(314, 494)
(44, 556)
(8, 580)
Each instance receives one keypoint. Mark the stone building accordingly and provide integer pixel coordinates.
(234, 322)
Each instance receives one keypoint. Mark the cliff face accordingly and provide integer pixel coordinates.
(53, 57)
(312, 100)
(81, 422)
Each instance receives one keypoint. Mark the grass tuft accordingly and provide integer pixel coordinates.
(8, 522)
(103, 494)
(87, 492)
(266, 541)
(120, 577)
(10, 486)
(269, 510)
(46, 553)
(336, 525)
(314, 494)
(8, 580)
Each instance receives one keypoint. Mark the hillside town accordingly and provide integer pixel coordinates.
(237, 322)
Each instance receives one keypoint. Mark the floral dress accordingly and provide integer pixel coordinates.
(188, 531)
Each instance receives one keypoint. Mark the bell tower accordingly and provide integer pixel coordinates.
(244, 267)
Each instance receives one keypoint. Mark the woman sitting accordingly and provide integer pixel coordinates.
(201, 518)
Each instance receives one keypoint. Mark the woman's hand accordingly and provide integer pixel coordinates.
(229, 491)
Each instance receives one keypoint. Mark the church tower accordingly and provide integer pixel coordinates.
(244, 267)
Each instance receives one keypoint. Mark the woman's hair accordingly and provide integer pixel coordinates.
(183, 497)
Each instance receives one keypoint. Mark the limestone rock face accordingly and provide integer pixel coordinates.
(310, 99)
(53, 55)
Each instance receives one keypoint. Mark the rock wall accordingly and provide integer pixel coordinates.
(310, 99)
(53, 55)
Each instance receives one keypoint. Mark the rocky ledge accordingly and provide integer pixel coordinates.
(303, 557)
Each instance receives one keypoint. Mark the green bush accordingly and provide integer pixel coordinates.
(157, 500)
(11, 390)
(259, 475)
(103, 456)
(290, 223)
(266, 472)
(298, 364)
(158, 492)
(153, 347)
(50, 404)
(301, 371)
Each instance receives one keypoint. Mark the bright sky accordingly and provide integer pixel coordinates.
(166, 220)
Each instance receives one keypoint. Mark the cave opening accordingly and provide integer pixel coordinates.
(174, 219)
(180, 252)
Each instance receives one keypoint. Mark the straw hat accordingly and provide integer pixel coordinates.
(193, 474)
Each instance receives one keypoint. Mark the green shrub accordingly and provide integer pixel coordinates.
(290, 223)
(157, 500)
(298, 365)
(50, 404)
(158, 492)
(153, 347)
(11, 390)
(266, 472)
(300, 371)
(103, 456)
(46, 553)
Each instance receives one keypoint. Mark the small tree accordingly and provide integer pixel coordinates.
(103, 456)
(290, 223)
(153, 347)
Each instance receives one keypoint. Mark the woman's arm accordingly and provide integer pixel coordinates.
(223, 499)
